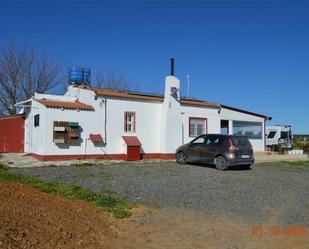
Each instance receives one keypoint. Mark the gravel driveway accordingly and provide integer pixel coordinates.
(276, 193)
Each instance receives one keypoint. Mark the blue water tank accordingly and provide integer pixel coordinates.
(79, 75)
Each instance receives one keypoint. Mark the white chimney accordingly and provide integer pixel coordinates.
(171, 120)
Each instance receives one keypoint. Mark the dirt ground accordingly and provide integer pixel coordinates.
(31, 219)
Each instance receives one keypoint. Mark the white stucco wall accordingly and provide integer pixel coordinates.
(160, 127)
(147, 124)
(93, 122)
(213, 121)
(34, 136)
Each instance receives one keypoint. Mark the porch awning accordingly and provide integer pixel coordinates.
(96, 138)
(132, 141)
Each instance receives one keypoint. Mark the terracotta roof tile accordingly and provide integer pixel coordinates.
(157, 98)
(65, 104)
(137, 96)
(199, 103)
(127, 95)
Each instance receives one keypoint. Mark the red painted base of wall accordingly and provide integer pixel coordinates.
(167, 156)
(100, 156)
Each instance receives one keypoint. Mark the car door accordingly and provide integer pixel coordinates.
(194, 149)
(211, 148)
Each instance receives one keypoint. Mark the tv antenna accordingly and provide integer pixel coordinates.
(188, 86)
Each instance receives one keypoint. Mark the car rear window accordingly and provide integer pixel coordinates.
(241, 142)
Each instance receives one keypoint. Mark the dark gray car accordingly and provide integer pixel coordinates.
(221, 150)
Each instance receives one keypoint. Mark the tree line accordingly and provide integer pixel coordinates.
(23, 71)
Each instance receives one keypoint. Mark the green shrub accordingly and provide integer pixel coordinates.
(301, 145)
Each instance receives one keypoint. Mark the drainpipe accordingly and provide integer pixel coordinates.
(85, 152)
(105, 120)
(264, 134)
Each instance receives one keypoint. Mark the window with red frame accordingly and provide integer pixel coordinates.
(129, 122)
(197, 126)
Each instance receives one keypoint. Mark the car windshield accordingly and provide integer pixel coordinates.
(241, 142)
(198, 140)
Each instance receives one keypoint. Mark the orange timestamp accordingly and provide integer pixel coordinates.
(260, 231)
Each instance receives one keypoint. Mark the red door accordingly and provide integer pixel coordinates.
(133, 153)
(12, 134)
(133, 147)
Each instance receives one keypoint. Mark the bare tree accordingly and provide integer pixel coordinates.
(111, 80)
(22, 73)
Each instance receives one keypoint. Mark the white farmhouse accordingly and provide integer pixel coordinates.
(88, 122)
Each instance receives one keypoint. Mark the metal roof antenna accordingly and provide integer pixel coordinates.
(188, 86)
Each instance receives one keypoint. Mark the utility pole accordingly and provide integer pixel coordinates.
(188, 86)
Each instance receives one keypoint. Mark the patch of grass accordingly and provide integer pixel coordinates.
(3, 166)
(114, 205)
(105, 175)
(52, 166)
(107, 201)
(107, 191)
(88, 164)
(304, 163)
(81, 164)
(295, 166)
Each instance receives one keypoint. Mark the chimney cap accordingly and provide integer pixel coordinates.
(172, 66)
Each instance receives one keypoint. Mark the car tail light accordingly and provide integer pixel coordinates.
(231, 146)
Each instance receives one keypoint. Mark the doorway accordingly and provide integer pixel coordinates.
(224, 127)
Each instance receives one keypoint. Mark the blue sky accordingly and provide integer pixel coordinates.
(252, 55)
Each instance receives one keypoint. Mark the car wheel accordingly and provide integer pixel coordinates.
(221, 163)
(181, 158)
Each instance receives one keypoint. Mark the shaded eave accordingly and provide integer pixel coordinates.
(246, 112)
